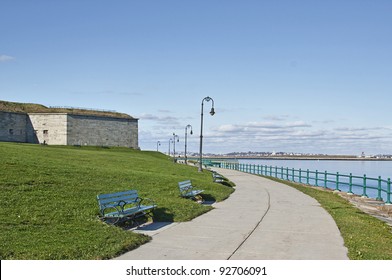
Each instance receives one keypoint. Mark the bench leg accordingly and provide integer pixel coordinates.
(111, 220)
(198, 198)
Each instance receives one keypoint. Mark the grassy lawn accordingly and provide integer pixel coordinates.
(366, 237)
(48, 198)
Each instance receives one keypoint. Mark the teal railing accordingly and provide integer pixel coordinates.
(377, 188)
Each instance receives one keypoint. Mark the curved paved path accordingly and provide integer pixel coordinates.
(262, 220)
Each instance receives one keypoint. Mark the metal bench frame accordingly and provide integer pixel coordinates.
(120, 206)
(187, 190)
(217, 178)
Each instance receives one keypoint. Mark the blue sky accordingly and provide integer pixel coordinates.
(294, 76)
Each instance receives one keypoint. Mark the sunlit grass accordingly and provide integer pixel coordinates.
(48, 198)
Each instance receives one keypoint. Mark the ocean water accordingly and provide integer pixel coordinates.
(359, 168)
(372, 169)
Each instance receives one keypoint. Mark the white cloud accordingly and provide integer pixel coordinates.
(297, 136)
(275, 134)
(107, 92)
(4, 58)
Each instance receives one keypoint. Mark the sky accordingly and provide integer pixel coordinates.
(300, 76)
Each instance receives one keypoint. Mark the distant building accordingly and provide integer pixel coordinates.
(67, 128)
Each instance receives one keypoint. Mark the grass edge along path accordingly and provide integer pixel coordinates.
(48, 198)
(366, 237)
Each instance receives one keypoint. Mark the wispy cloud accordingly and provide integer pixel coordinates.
(275, 133)
(107, 93)
(276, 118)
(164, 120)
(296, 136)
(4, 58)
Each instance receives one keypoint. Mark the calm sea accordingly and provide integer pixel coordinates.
(359, 168)
(372, 169)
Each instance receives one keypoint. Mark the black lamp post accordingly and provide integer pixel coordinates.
(158, 144)
(170, 140)
(174, 145)
(212, 112)
(186, 128)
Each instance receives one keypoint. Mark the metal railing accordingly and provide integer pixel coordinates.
(377, 188)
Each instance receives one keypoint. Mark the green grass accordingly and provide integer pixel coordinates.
(48, 198)
(365, 237)
(38, 108)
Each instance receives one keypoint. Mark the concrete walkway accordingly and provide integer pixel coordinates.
(262, 220)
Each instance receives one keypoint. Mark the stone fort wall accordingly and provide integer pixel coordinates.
(102, 131)
(16, 127)
(68, 129)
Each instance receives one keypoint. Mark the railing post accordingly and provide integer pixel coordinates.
(316, 178)
(292, 174)
(281, 172)
(307, 176)
(337, 182)
(364, 186)
(350, 185)
(325, 179)
(300, 175)
(379, 189)
(276, 171)
(287, 174)
(389, 192)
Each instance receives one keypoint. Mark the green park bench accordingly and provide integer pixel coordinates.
(120, 206)
(187, 190)
(217, 178)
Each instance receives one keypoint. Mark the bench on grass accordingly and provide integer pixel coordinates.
(187, 190)
(121, 206)
(217, 178)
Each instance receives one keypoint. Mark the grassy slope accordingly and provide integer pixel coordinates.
(48, 198)
(38, 108)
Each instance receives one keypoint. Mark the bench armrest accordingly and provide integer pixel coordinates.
(148, 200)
(110, 208)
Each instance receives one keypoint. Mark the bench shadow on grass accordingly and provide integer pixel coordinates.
(160, 218)
(208, 199)
(227, 183)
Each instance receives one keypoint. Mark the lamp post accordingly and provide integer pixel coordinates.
(212, 112)
(174, 145)
(169, 146)
(186, 128)
(158, 144)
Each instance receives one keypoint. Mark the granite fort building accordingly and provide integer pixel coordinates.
(65, 126)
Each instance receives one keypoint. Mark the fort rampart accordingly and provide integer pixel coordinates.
(68, 129)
